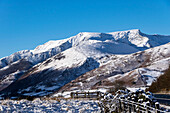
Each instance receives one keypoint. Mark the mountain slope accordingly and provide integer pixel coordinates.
(135, 70)
(56, 63)
(48, 76)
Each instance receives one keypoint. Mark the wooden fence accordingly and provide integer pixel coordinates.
(118, 105)
(96, 95)
(126, 106)
(131, 106)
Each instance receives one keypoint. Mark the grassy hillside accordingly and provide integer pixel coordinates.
(162, 85)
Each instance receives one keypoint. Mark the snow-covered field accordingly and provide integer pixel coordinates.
(49, 106)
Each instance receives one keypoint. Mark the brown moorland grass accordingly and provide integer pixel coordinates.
(162, 85)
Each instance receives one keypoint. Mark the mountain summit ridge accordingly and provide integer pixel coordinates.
(51, 48)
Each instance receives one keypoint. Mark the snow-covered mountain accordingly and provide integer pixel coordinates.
(112, 43)
(134, 70)
(55, 63)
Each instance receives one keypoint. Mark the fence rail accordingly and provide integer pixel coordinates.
(86, 94)
(126, 106)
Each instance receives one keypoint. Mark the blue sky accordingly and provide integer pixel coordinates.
(25, 24)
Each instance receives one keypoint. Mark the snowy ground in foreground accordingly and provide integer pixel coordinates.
(50, 106)
(166, 107)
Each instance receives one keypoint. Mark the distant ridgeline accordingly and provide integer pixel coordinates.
(162, 84)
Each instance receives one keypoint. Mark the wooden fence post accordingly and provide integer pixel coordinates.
(97, 95)
(122, 103)
(130, 107)
(77, 94)
(147, 107)
(137, 108)
(157, 107)
(120, 106)
(72, 96)
(134, 108)
(124, 106)
(85, 94)
(141, 108)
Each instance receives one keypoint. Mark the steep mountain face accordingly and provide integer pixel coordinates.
(55, 63)
(48, 76)
(12, 72)
(135, 70)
